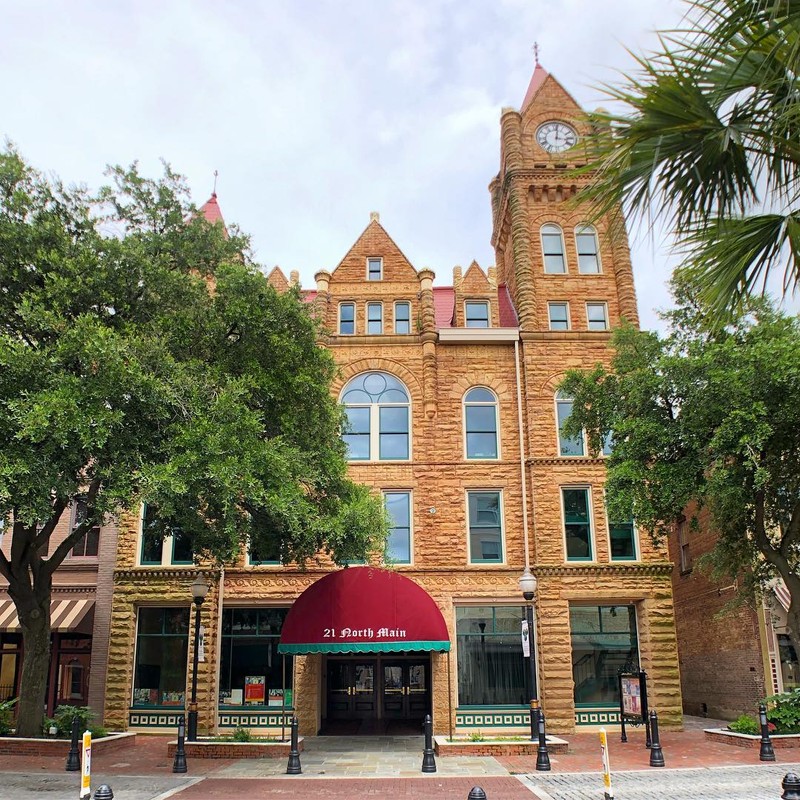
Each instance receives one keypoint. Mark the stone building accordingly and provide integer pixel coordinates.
(454, 417)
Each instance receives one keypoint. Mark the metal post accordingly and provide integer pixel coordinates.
(532, 668)
(766, 753)
(656, 754)
(542, 756)
(293, 766)
(791, 787)
(179, 764)
(191, 734)
(104, 793)
(476, 793)
(428, 758)
(73, 759)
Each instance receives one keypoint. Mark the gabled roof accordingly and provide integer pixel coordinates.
(537, 79)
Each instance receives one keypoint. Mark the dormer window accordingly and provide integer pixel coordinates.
(374, 269)
(476, 313)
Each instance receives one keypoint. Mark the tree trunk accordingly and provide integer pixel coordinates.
(34, 617)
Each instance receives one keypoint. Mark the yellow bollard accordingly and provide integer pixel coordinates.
(609, 792)
(86, 766)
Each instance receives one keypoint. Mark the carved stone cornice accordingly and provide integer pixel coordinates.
(653, 569)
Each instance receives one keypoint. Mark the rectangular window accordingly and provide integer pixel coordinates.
(597, 316)
(683, 545)
(477, 314)
(374, 269)
(553, 250)
(567, 446)
(559, 316)
(162, 644)
(347, 319)
(398, 506)
(374, 318)
(491, 668)
(603, 641)
(588, 259)
(90, 543)
(264, 546)
(402, 318)
(577, 524)
(160, 549)
(357, 434)
(252, 672)
(485, 528)
(393, 431)
(623, 541)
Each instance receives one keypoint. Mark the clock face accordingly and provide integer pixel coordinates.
(556, 137)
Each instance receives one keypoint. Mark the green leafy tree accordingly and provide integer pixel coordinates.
(705, 418)
(143, 355)
(707, 144)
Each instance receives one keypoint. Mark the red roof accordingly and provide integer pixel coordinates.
(537, 79)
(508, 315)
(444, 300)
(308, 296)
(210, 210)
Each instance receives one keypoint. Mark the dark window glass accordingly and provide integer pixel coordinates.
(181, 548)
(161, 652)
(485, 527)
(90, 543)
(577, 525)
(491, 668)
(357, 436)
(623, 543)
(152, 542)
(398, 505)
(480, 413)
(603, 640)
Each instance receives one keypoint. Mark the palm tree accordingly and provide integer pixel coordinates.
(708, 144)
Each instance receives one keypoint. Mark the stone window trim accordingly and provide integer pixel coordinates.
(587, 488)
(374, 267)
(555, 321)
(554, 256)
(477, 490)
(401, 321)
(374, 318)
(410, 495)
(597, 315)
(167, 548)
(487, 400)
(588, 249)
(477, 314)
(343, 322)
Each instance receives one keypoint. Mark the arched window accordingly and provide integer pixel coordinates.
(553, 249)
(588, 252)
(480, 423)
(377, 408)
(567, 446)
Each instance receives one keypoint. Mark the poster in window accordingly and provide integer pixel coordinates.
(254, 690)
(275, 697)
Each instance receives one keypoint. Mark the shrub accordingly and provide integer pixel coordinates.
(745, 724)
(785, 711)
(7, 716)
(476, 736)
(65, 714)
(242, 734)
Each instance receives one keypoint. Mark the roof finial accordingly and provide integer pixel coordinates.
(214, 192)
(536, 53)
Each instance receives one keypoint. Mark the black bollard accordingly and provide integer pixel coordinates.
(104, 793)
(656, 754)
(542, 755)
(766, 753)
(293, 767)
(476, 793)
(791, 787)
(73, 757)
(179, 764)
(428, 759)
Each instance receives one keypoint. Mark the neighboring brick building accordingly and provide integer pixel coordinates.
(451, 396)
(729, 659)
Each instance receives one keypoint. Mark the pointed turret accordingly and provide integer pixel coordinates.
(540, 74)
(210, 211)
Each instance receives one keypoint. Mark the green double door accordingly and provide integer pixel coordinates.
(378, 688)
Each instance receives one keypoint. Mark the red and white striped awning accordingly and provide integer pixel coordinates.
(782, 593)
(65, 615)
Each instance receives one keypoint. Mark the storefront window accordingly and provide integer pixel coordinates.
(491, 668)
(161, 650)
(603, 641)
(10, 661)
(790, 674)
(252, 673)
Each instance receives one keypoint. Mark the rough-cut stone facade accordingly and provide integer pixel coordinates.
(521, 361)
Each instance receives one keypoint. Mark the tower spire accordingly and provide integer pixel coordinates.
(214, 190)
(536, 53)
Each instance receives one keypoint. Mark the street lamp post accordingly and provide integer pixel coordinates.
(527, 583)
(199, 592)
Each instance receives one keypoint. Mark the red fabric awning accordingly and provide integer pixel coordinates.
(364, 610)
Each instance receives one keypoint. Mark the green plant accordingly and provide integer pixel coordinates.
(242, 734)
(47, 723)
(476, 736)
(745, 724)
(65, 714)
(785, 711)
(7, 716)
(98, 731)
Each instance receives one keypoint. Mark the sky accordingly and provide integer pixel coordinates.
(315, 112)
